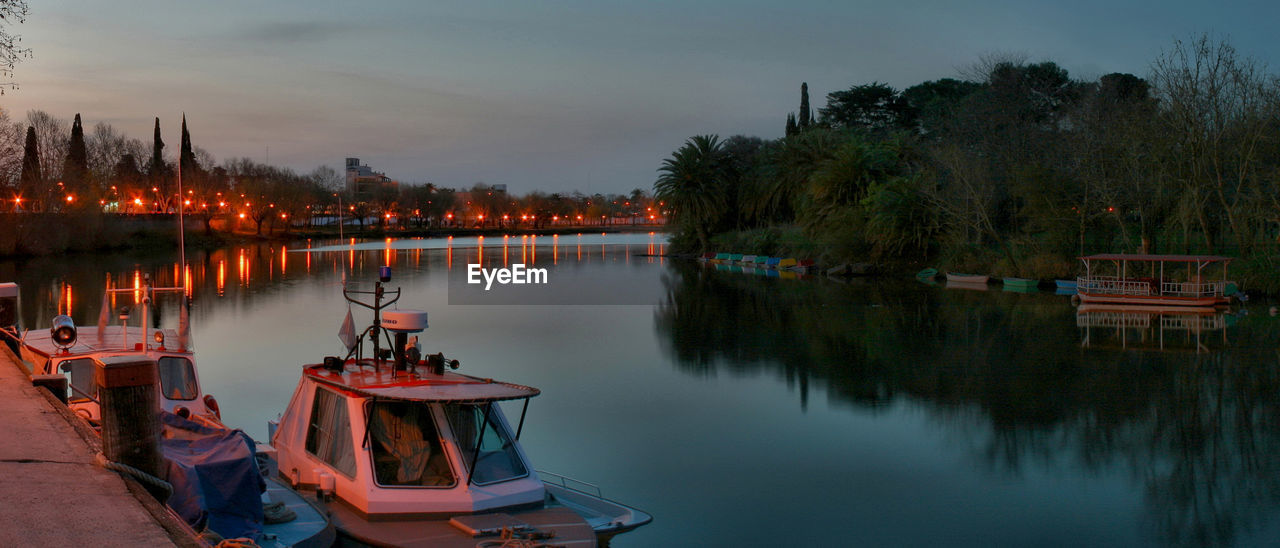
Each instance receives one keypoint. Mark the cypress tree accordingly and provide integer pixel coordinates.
(791, 124)
(806, 115)
(157, 171)
(156, 168)
(186, 158)
(30, 181)
(75, 170)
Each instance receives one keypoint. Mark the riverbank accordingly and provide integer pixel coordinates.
(1258, 274)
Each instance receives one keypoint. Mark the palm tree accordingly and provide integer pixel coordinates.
(692, 183)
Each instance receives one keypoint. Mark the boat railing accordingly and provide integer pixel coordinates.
(1113, 319)
(571, 483)
(1113, 285)
(1193, 289)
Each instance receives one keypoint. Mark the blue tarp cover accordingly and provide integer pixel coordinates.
(214, 475)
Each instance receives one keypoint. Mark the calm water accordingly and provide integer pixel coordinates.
(754, 411)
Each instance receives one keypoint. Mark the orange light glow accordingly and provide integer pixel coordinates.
(70, 198)
(137, 201)
(242, 215)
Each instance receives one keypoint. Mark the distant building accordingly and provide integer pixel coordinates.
(363, 181)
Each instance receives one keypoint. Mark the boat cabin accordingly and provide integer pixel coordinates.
(52, 353)
(377, 439)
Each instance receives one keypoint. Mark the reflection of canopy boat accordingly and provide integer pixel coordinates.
(1158, 327)
(1154, 285)
(418, 456)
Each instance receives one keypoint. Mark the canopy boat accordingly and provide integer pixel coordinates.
(199, 449)
(1155, 280)
(402, 452)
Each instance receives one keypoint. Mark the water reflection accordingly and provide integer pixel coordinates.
(57, 285)
(1153, 328)
(1006, 376)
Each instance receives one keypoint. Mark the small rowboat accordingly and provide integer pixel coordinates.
(954, 277)
(927, 274)
(1021, 283)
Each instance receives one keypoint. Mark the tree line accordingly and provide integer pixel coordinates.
(1014, 168)
(48, 165)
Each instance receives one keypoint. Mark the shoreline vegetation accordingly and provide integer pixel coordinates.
(1013, 169)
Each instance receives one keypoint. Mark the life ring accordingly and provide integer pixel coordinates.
(211, 404)
(84, 413)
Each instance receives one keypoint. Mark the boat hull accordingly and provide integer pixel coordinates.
(1154, 300)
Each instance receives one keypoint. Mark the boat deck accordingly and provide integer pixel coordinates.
(301, 531)
(568, 528)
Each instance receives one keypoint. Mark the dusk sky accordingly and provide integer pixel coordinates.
(550, 95)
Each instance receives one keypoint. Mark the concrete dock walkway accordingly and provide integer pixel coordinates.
(51, 492)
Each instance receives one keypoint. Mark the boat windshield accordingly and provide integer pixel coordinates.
(405, 446)
(177, 378)
(82, 386)
(497, 459)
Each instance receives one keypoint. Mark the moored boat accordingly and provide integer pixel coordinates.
(1020, 284)
(69, 350)
(402, 452)
(1155, 280)
(976, 279)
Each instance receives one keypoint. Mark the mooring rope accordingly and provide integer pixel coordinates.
(137, 474)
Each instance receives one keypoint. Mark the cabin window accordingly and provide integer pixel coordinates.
(329, 432)
(82, 385)
(406, 447)
(177, 378)
(496, 459)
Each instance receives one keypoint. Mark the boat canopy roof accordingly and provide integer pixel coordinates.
(384, 383)
(1156, 258)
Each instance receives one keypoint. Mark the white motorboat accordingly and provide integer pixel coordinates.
(69, 350)
(402, 452)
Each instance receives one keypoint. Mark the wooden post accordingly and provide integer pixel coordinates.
(130, 412)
